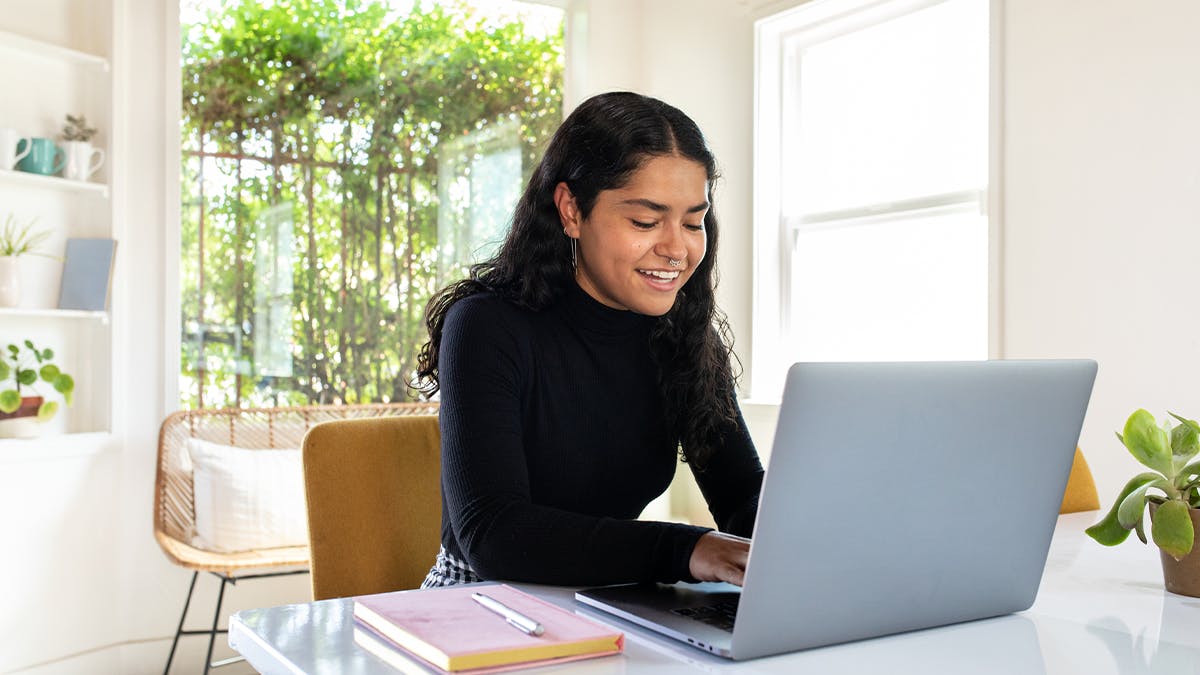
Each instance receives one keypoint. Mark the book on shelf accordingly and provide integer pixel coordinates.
(446, 628)
(87, 274)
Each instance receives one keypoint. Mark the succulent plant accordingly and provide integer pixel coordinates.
(76, 129)
(1169, 451)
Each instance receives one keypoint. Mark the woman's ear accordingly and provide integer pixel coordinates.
(568, 210)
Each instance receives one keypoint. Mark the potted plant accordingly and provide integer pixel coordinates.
(76, 129)
(82, 159)
(1170, 450)
(15, 241)
(22, 368)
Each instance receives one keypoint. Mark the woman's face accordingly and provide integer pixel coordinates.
(628, 242)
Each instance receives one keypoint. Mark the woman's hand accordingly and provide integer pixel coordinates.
(720, 557)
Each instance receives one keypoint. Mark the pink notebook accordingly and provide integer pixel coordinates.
(448, 629)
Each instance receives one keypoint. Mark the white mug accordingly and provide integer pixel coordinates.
(9, 138)
(82, 160)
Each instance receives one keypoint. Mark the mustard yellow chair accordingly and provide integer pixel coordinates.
(374, 503)
(1081, 488)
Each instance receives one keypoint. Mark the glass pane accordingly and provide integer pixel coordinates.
(327, 156)
(913, 289)
(479, 183)
(896, 110)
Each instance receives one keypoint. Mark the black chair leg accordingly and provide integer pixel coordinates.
(216, 620)
(179, 628)
(214, 631)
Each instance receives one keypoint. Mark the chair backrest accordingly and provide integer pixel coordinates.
(374, 504)
(1081, 488)
(248, 428)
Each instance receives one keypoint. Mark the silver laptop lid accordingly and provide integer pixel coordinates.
(901, 496)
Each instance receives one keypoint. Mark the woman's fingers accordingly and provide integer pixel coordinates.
(720, 557)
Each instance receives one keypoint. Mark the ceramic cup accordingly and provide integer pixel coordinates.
(82, 160)
(44, 156)
(9, 154)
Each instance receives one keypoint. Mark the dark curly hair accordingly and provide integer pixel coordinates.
(599, 146)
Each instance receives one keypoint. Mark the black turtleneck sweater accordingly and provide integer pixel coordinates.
(553, 442)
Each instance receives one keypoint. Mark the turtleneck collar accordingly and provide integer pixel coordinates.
(594, 316)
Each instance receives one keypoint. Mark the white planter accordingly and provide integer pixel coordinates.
(10, 287)
(19, 427)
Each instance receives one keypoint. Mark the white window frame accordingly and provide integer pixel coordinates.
(774, 37)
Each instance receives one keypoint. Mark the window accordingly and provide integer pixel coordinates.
(479, 181)
(871, 184)
(342, 160)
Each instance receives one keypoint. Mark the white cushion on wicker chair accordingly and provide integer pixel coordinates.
(247, 499)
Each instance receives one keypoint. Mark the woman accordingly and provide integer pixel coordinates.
(577, 361)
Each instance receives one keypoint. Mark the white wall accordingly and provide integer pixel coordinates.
(1102, 203)
(1101, 187)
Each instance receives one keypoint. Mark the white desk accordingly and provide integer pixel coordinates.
(1099, 611)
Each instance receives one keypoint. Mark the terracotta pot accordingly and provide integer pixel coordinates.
(29, 408)
(1183, 576)
(22, 422)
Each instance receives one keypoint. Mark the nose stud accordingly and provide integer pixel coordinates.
(674, 263)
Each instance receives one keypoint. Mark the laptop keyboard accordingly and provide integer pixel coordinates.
(719, 614)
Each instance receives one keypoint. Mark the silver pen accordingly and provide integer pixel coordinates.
(513, 617)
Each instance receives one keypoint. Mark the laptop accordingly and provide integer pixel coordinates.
(897, 497)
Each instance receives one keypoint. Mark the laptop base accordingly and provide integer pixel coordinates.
(653, 606)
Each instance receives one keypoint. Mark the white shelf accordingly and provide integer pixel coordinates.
(28, 312)
(47, 50)
(52, 182)
(53, 446)
(62, 66)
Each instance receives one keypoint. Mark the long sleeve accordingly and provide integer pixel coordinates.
(731, 481)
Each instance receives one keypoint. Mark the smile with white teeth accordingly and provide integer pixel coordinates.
(661, 274)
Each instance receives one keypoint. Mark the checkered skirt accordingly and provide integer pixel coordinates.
(449, 570)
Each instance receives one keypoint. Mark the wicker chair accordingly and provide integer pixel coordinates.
(174, 508)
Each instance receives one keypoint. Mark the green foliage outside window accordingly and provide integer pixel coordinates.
(313, 134)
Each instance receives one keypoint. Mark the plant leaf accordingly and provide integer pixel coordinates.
(1190, 469)
(1171, 528)
(1140, 529)
(65, 385)
(1185, 441)
(4, 371)
(1191, 423)
(49, 372)
(26, 376)
(10, 400)
(1109, 531)
(1130, 511)
(1148, 443)
(47, 410)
